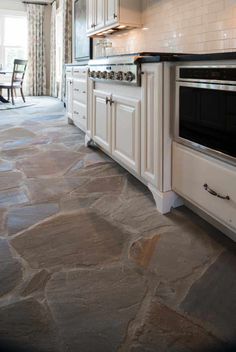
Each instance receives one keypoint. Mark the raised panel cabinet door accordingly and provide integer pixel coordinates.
(111, 12)
(99, 14)
(151, 125)
(90, 15)
(126, 131)
(69, 97)
(102, 120)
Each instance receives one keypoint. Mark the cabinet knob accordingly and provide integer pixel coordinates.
(115, 16)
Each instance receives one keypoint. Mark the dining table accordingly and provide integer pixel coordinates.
(2, 99)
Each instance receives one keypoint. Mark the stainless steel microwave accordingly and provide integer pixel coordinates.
(205, 109)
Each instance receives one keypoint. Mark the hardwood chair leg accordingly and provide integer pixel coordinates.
(15, 92)
(12, 96)
(8, 94)
(22, 94)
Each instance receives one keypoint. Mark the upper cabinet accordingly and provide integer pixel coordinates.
(103, 15)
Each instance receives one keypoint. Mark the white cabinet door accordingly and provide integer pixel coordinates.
(126, 131)
(90, 14)
(99, 14)
(102, 120)
(111, 12)
(151, 124)
(69, 97)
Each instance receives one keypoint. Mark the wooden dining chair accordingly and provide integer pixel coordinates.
(17, 80)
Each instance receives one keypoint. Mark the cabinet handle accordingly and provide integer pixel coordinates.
(115, 16)
(107, 100)
(84, 92)
(76, 112)
(214, 193)
(111, 102)
(76, 89)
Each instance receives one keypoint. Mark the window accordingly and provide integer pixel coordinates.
(13, 37)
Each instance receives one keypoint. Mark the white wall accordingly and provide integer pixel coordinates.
(17, 5)
(182, 26)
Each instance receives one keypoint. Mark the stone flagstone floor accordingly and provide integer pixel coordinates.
(86, 262)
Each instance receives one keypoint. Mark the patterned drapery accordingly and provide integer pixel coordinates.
(53, 73)
(67, 39)
(36, 50)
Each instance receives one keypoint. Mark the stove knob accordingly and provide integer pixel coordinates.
(93, 74)
(119, 76)
(129, 76)
(98, 74)
(104, 74)
(111, 75)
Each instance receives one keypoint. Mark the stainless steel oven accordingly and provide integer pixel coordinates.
(205, 109)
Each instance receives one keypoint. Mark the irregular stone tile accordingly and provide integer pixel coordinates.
(177, 258)
(20, 153)
(13, 197)
(104, 185)
(138, 213)
(5, 165)
(52, 189)
(101, 305)
(2, 220)
(22, 218)
(164, 330)
(104, 170)
(15, 133)
(10, 180)
(97, 157)
(48, 163)
(71, 240)
(26, 324)
(212, 299)
(75, 202)
(10, 270)
(134, 188)
(37, 283)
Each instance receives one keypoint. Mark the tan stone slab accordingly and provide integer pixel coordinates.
(93, 308)
(9, 180)
(71, 240)
(47, 163)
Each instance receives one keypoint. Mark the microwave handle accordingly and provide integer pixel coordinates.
(209, 85)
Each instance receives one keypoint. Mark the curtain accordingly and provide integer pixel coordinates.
(53, 72)
(36, 50)
(67, 40)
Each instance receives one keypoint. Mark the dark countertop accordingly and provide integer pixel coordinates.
(207, 57)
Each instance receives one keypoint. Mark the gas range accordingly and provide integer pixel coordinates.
(124, 69)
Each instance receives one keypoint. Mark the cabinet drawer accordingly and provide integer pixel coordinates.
(196, 176)
(80, 115)
(80, 91)
(80, 72)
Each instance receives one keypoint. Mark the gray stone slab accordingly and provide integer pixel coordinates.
(36, 284)
(177, 258)
(27, 324)
(13, 197)
(93, 308)
(10, 269)
(15, 133)
(22, 218)
(5, 165)
(163, 330)
(71, 240)
(19, 153)
(10, 180)
(52, 162)
(212, 299)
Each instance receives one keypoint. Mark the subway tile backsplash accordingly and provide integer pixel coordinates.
(195, 26)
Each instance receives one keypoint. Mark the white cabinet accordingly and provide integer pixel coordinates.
(116, 127)
(111, 12)
(126, 131)
(102, 120)
(77, 97)
(95, 15)
(106, 14)
(69, 94)
(152, 124)
(207, 183)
